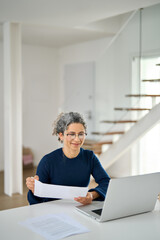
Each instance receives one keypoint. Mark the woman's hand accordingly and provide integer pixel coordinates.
(85, 200)
(30, 182)
(88, 199)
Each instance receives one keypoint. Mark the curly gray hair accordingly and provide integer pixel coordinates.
(64, 120)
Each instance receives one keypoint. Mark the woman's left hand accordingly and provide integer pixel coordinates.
(85, 200)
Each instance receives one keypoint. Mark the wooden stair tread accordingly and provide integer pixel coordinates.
(132, 109)
(95, 146)
(95, 150)
(103, 142)
(89, 141)
(95, 143)
(119, 121)
(92, 147)
(142, 95)
(108, 133)
(151, 80)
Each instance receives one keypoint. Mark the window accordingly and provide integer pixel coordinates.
(150, 143)
(147, 150)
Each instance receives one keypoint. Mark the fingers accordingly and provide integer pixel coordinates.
(30, 181)
(36, 177)
(85, 200)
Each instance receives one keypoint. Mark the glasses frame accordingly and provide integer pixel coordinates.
(72, 136)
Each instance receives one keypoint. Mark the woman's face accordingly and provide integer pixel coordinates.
(73, 138)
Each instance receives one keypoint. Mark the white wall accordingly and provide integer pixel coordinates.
(83, 52)
(114, 74)
(40, 98)
(151, 30)
(1, 108)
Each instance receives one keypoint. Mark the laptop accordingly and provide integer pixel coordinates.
(125, 197)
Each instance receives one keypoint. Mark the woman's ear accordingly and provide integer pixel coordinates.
(61, 136)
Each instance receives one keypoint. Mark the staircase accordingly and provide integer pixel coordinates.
(126, 138)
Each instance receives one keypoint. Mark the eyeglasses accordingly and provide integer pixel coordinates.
(72, 136)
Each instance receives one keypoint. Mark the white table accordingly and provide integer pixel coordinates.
(144, 226)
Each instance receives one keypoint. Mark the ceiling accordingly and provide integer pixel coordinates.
(58, 23)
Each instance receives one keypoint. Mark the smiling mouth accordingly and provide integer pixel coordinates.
(76, 144)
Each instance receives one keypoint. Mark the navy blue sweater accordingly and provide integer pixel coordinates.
(56, 168)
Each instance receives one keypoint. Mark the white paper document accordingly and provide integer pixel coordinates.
(58, 191)
(55, 226)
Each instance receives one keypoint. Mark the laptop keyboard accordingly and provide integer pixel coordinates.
(98, 211)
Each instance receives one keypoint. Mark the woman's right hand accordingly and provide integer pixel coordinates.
(30, 182)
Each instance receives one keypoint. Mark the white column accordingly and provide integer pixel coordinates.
(12, 109)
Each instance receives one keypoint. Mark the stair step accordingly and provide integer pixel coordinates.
(108, 133)
(91, 147)
(96, 149)
(95, 143)
(119, 121)
(95, 146)
(132, 109)
(142, 95)
(104, 142)
(130, 137)
(151, 80)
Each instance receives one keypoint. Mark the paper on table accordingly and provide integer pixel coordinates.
(58, 191)
(55, 226)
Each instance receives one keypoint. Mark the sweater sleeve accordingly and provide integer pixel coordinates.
(44, 176)
(101, 178)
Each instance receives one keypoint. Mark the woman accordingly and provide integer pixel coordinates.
(70, 165)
